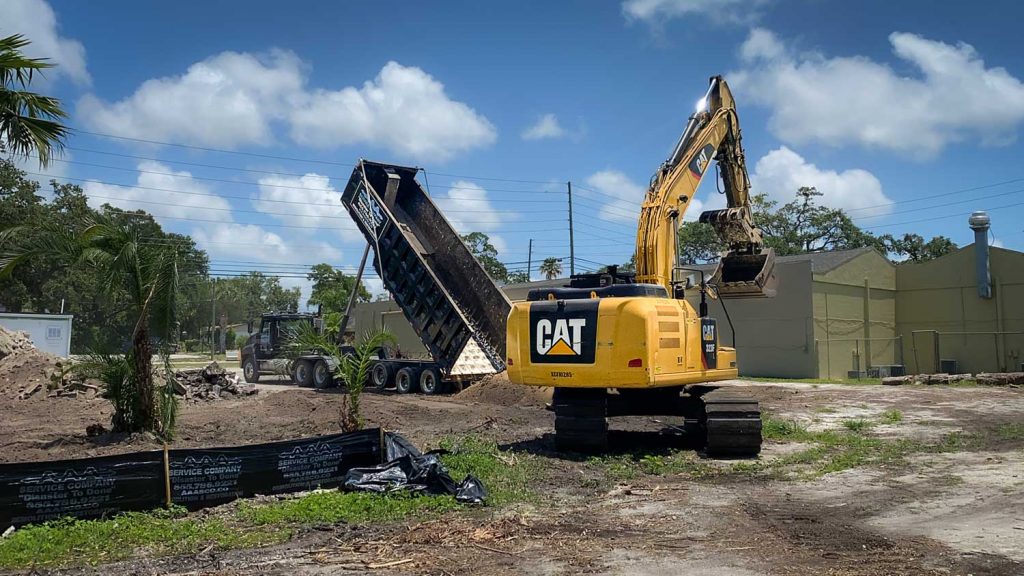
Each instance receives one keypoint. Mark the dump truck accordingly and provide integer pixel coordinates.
(267, 353)
(452, 304)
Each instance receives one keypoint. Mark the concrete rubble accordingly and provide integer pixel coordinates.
(210, 383)
(982, 378)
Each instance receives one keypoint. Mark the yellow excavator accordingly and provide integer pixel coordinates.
(614, 344)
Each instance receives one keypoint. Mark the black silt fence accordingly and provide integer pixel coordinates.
(34, 492)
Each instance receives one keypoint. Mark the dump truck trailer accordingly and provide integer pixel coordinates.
(452, 304)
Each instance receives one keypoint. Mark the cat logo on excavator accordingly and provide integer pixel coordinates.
(562, 338)
(563, 331)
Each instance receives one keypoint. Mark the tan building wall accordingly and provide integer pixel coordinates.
(855, 316)
(773, 335)
(941, 315)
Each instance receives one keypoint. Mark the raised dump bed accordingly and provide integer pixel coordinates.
(454, 306)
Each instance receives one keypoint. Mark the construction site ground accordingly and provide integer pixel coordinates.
(933, 484)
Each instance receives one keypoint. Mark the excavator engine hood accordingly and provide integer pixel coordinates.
(746, 275)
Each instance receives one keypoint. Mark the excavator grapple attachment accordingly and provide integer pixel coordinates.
(746, 275)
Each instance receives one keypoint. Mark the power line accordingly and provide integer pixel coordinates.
(933, 196)
(288, 158)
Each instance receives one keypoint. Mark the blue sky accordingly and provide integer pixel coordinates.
(889, 108)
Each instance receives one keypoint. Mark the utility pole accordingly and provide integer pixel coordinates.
(529, 263)
(572, 245)
(213, 317)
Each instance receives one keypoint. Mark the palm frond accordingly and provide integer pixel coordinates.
(15, 67)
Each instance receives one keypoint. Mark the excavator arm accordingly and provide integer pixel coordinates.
(713, 133)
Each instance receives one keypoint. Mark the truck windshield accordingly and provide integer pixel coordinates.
(290, 327)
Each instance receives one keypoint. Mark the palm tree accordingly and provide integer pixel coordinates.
(147, 273)
(29, 122)
(551, 268)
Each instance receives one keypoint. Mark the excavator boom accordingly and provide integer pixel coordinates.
(712, 133)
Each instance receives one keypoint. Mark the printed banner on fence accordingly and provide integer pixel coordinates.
(206, 477)
(35, 492)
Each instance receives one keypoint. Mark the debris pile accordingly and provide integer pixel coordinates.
(497, 389)
(210, 383)
(982, 378)
(29, 373)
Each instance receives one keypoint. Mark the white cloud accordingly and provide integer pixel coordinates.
(309, 200)
(468, 208)
(252, 242)
(953, 97)
(781, 172)
(403, 109)
(36, 20)
(178, 194)
(547, 126)
(234, 99)
(658, 11)
(627, 196)
(226, 100)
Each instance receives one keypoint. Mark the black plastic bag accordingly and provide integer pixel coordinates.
(410, 470)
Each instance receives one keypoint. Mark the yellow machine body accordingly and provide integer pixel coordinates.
(614, 342)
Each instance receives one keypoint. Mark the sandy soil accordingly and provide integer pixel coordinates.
(945, 513)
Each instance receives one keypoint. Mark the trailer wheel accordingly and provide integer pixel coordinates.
(405, 381)
(381, 375)
(322, 375)
(302, 373)
(250, 370)
(430, 381)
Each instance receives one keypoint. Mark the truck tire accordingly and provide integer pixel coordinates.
(430, 381)
(405, 380)
(250, 370)
(322, 377)
(381, 375)
(302, 373)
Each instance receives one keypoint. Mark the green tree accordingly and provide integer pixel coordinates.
(802, 226)
(914, 248)
(29, 122)
(246, 297)
(551, 268)
(518, 277)
(146, 273)
(353, 368)
(332, 288)
(698, 243)
(480, 246)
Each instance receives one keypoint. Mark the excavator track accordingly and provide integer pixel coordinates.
(731, 426)
(581, 423)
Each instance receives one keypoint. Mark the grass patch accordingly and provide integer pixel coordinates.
(837, 450)
(507, 475)
(66, 542)
(892, 416)
(630, 466)
(825, 410)
(1013, 431)
(858, 425)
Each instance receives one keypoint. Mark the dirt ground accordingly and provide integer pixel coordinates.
(956, 512)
